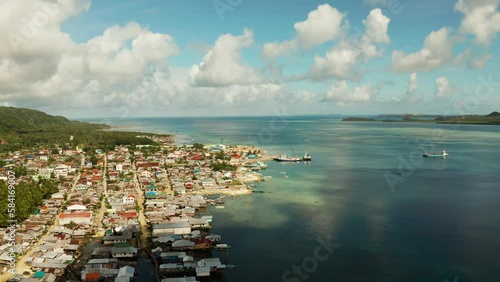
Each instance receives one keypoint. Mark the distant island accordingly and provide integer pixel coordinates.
(358, 119)
(490, 119)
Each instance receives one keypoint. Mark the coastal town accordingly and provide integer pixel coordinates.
(135, 213)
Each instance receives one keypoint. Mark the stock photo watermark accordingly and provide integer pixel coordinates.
(275, 126)
(11, 214)
(31, 26)
(407, 165)
(223, 6)
(309, 265)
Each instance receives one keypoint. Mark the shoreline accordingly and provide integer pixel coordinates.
(241, 177)
(232, 190)
(237, 190)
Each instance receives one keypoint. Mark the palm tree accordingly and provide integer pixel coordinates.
(72, 225)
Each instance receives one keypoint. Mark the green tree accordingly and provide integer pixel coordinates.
(20, 171)
(94, 160)
(220, 156)
(29, 196)
(72, 225)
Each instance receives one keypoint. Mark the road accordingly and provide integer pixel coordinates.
(145, 233)
(100, 214)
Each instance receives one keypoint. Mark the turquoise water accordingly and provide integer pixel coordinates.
(435, 219)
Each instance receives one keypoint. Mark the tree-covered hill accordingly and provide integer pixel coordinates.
(24, 128)
(21, 120)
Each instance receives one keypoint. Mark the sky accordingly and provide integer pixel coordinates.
(148, 58)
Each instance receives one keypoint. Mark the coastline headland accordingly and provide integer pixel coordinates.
(117, 205)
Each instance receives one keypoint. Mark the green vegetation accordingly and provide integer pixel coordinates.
(20, 171)
(72, 225)
(221, 156)
(28, 198)
(491, 119)
(25, 120)
(222, 166)
(198, 146)
(26, 128)
(358, 119)
(236, 182)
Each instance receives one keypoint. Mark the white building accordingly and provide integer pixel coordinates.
(76, 217)
(123, 252)
(76, 207)
(177, 228)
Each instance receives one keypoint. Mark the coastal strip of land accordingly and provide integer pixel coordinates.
(113, 208)
(490, 119)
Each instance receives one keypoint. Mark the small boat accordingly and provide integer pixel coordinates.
(258, 191)
(262, 165)
(306, 157)
(442, 154)
(284, 158)
(222, 247)
(255, 168)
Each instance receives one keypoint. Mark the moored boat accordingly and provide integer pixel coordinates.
(442, 154)
(306, 157)
(222, 247)
(284, 158)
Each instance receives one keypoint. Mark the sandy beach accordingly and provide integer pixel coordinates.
(236, 190)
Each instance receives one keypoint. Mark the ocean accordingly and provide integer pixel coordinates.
(367, 207)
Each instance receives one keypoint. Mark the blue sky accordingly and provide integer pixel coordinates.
(241, 57)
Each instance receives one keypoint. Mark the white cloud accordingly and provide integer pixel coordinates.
(340, 61)
(412, 84)
(481, 19)
(322, 25)
(480, 62)
(125, 71)
(470, 60)
(108, 55)
(32, 42)
(337, 63)
(341, 93)
(412, 93)
(47, 68)
(436, 52)
(260, 98)
(276, 49)
(443, 87)
(222, 65)
(376, 27)
(31, 27)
